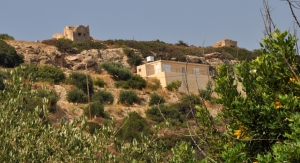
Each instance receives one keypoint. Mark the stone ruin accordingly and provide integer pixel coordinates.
(226, 42)
(75, 33)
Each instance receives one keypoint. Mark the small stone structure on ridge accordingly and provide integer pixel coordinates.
(75, 33)
(226, 42)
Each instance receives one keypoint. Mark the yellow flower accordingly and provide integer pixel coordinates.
(278, 104)
(237, 133)
(292, 80)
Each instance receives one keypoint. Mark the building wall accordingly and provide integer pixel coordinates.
(194, 81)
(226, 42)
(74, 33)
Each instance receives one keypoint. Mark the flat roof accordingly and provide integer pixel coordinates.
(177, 62)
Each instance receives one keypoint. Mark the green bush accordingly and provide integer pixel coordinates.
(2, 85)
(206, 94)
(171, 114)
(117, 70)
(187, 103)
(264, 125)
(133, 58)
(37, 100)
(153, 84)
(9, 56)
(69, 46)
(128, 97)
(87, 45)
(135, 82)
(76, 95)
(99, 82)
(79, 80)
(91, 127)
(103, 97)
(50, 73)
(2, 76)
(132, 127)
(156, 99)
(6, 37)
(174, 85)
(97, 109)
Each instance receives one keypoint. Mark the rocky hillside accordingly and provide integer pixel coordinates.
(39, 53)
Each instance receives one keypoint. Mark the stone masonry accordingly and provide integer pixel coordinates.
(226, 42)
(75, 33)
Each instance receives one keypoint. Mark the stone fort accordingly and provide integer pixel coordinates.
(75, 33)
(226, 42)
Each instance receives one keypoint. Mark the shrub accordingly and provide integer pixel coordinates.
(156, 99)
(91, 127)
(97, 109)
(99, 82)
(133, 58)
(133, 126)
(206, 94)
(153, 84)
(76, 95)
(79, 80)
(117, 70)
(6, 37)
(2, 85)
(9, 56)
(170, 113)
(2, 76)
(174, 85)
(187, 103)
(69, 46)
(37, 100)
(50, 73)
(128, 97)
(103, 97)
(87, 45)
(135, 82)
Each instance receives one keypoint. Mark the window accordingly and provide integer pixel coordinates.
(183, 70)
(140, 70)
(166, 68)
(196, 70)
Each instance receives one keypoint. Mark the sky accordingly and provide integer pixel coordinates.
(196, 22)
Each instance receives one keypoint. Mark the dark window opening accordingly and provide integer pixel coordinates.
(79, 34)
(83, 34)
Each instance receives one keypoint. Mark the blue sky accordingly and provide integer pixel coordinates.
(192, 21)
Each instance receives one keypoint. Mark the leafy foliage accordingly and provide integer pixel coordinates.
(153, 84)
(9, 56)
(132, 127)
(103, 97)
(97, 109)
(91, 127)
(79, 80)
(50, 73)
(156, 99)
(262, 123)
(135, 82)
(206, 94)
(76, 95)
(69, 46)
(163, 113)
(117, 70)
(128, 97)
(99, 82)
(133, 58)
(4, 36)
(174, 85)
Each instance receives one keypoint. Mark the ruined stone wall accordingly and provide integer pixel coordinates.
(74, 33)
(226, 42)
